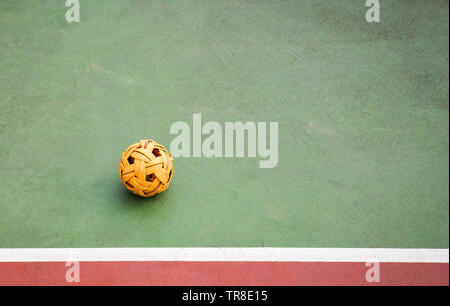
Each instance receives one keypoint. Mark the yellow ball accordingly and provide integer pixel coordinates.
(146, 168)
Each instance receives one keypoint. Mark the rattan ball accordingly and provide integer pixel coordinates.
(146, 168)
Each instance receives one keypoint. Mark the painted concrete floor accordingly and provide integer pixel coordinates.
(362, 111)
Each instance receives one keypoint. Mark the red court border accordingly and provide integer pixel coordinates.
(188, 273)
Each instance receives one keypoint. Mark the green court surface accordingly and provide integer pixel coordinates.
(362, 110)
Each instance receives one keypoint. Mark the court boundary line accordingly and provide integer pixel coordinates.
(262, 254)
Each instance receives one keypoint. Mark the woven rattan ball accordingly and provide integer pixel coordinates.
(146, 168)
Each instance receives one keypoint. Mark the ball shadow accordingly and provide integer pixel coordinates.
(129, 198)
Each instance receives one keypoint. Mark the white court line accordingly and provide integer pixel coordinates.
(226, 254)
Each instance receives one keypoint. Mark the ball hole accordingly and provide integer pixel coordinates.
(156, 152)
(150, 178)
(130, 160)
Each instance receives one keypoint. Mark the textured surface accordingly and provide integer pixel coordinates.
(362, 111)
